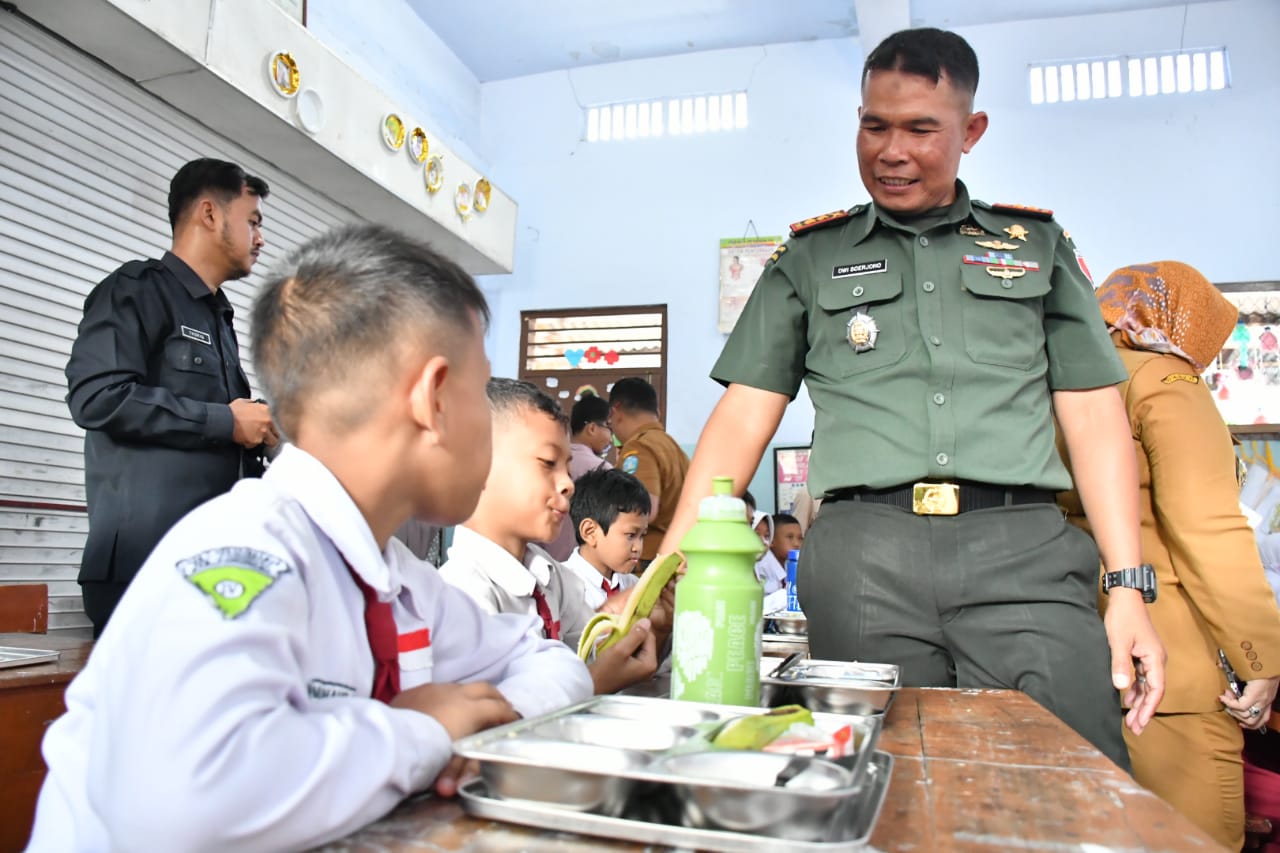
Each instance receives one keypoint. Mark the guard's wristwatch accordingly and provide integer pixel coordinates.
(1140, 577)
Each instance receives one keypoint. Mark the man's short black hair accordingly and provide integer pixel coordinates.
(604, 494)
(509, 396)
(345, 302)
(633, 394)
(926, 52)
(781, 518)
(224, 181)
(588, 410)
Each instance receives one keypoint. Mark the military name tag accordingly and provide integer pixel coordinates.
(862, 332)
(197, 335)
(967, 230)
(864, 268)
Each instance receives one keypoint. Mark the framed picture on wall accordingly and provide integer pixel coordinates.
(1245, 377)
(790, 476)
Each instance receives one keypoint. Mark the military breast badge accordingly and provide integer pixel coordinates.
(862, 332)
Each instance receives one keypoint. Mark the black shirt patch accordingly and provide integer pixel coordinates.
(863, 268)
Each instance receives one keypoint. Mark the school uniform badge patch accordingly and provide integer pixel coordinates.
(232, 578)
(631, 464)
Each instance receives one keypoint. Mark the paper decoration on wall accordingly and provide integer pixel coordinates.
(611, 357)
(586, 391)
(483, 189)
(593, 354)
(283, 73)
(393, 131)
(433, 174)
(573, 356)
(741, 262)
(418, 145)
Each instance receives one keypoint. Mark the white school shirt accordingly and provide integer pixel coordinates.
(592, 580)
(499, 583)
(770, 572)
(226, 706)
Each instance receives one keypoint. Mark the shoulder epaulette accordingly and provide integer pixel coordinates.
(1034, 212)
(815, 223)
(137, 269)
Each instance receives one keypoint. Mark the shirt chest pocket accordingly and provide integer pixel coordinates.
(1003, 318)
(865, 309)
(191, 359)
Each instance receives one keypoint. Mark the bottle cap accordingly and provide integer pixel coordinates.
(794, 554)
(722, 524)
(721, 505)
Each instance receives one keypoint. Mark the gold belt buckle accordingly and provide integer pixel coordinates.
(935, 499)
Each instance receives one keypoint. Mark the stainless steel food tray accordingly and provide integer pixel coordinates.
(838, 687)
(643, 824)
(13, 656)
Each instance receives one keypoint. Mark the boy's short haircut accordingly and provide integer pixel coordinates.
(508, 397)
(588, 410)
(342, 308)
(602, 495)
(633, 394)
(781, 518)
(926, 52)
(749, 499)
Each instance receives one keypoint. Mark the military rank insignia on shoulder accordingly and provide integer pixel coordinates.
(777, 253)
(1041, 213)
(816, 223)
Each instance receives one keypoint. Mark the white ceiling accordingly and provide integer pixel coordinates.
(498, 39)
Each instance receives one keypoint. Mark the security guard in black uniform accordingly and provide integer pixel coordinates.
(155, 380)
(938, 336)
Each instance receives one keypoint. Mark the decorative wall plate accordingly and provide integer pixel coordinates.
(481, 201)
(310, 108)
(418, 145)
(433, 174)
(462, 200)
(282, 70)
(393, 131)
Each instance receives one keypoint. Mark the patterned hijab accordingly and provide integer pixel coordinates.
(1168, 307)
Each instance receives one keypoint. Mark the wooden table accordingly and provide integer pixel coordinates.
(975, 770)
(30, 699)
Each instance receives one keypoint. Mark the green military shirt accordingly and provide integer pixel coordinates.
(957, 386)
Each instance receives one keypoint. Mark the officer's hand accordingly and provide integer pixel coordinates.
(462, 709)
(631, 659)
(1133, 640)
(253, 424)
(1259, 694)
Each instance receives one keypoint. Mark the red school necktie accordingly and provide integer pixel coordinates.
(550, 627)
(384, 641)
(605, 586)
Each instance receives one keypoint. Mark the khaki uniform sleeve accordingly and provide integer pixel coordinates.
(767, 347)
(639, 460)
(1081, 355)
(1196, 501)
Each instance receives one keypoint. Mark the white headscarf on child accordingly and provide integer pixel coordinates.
(756, 517)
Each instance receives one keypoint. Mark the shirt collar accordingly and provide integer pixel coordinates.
(330, 508)
(489, 558)
(958, 211)
(192, 283)
(588, 573)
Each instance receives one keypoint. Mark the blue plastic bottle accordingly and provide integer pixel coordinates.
(793, 596)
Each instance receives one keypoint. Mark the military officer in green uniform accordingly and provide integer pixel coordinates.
(938, 337)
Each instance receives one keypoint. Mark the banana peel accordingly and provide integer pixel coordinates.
(756, 731)
(644, 595)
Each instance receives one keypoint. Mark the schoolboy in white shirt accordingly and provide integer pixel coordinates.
(610, 515)
(282, 671)
(526, 499)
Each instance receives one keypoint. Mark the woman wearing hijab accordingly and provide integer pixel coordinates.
(1168, 322)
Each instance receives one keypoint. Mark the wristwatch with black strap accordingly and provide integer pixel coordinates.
(1138, 577)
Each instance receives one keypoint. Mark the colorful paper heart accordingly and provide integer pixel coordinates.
(573, 356)
(611, 356)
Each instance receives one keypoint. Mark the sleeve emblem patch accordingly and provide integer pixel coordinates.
(232, 578)
(631, 464)
(1181, 377)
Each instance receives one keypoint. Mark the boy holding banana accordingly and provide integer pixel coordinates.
(525, 500)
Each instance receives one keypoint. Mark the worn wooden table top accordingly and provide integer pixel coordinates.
(975, 770)
(74, 648)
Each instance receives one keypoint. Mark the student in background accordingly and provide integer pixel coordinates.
(525, 500)
(591, 437)
(249, 695)
(788, 536)
(609, 515)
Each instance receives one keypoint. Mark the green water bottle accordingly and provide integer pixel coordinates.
(719, 602)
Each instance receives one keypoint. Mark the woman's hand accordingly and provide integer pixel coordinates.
(1253, 708)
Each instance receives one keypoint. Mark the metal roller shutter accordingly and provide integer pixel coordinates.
(85, 161)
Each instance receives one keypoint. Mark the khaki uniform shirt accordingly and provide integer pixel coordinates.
(655, 459)
(1211, 592)
(958, 384)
